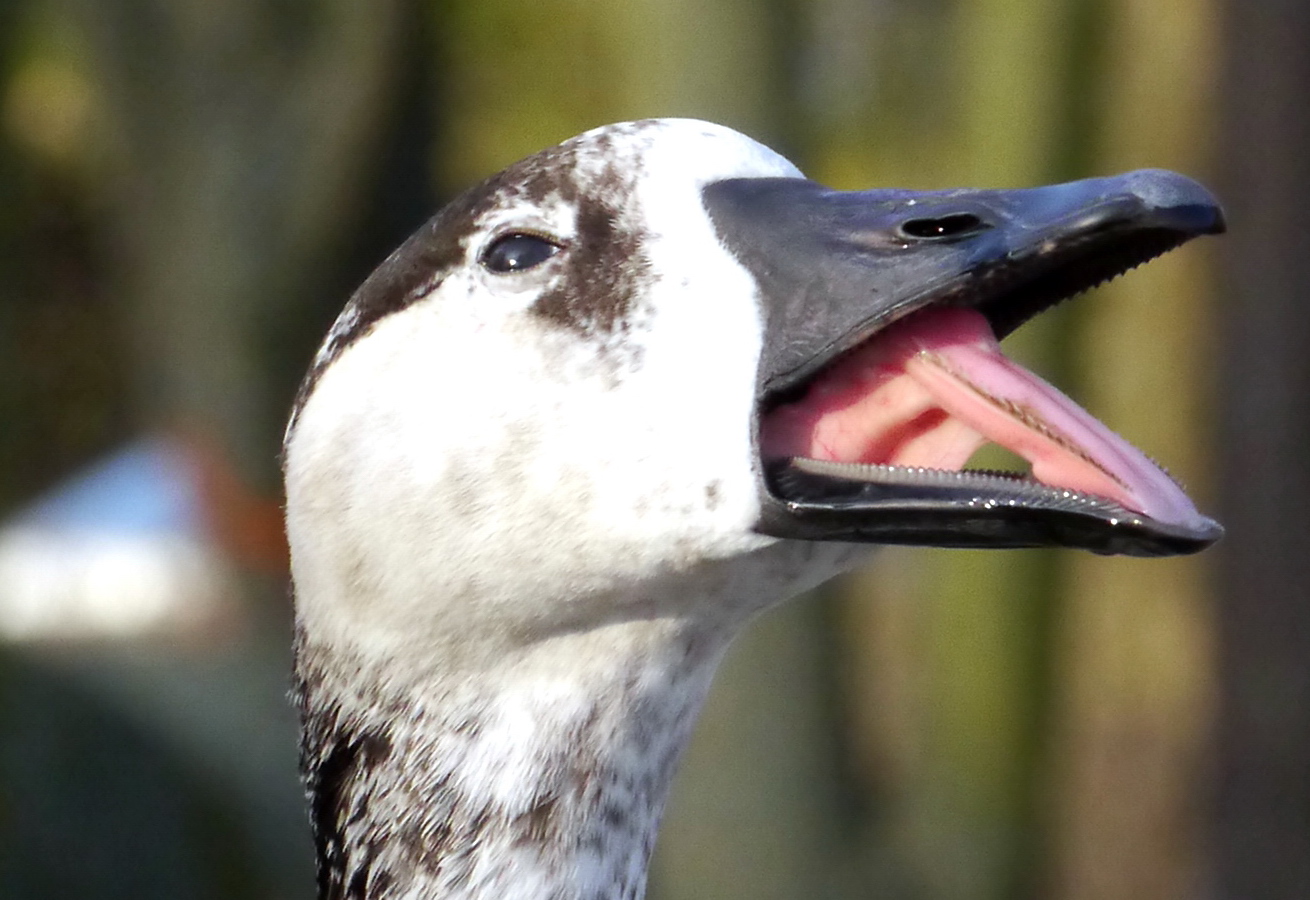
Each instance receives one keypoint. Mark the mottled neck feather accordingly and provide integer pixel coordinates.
(499, 788)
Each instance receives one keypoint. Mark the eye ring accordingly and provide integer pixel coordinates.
(517, 251)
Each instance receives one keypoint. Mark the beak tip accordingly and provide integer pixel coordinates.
(1183, 203)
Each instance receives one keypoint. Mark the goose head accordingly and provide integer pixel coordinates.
(626, 393)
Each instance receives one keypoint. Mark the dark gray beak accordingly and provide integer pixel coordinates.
(836, 268)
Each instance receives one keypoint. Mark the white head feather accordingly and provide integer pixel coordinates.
(503, 449)
(521, 513)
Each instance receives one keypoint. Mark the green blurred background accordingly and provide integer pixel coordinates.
(189, 189)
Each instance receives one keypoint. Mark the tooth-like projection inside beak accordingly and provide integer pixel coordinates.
(931, 389)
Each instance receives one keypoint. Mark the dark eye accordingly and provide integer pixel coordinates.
(517, 252)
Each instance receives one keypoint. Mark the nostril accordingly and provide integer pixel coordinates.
(952, 226)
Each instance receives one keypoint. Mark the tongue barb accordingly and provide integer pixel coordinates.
(930, 390)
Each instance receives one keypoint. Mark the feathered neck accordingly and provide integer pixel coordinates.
(543, 779)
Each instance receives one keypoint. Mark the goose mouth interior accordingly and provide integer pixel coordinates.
(872, 444)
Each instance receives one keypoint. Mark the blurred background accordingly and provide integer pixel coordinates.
(190, 189)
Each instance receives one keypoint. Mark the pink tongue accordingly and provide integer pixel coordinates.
(931, 389)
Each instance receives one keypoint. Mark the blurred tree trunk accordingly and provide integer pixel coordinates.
(61, 376)
(238, 132)
(1135, 642)
(1261, 837)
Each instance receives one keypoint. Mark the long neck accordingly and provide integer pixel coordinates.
(547, 782)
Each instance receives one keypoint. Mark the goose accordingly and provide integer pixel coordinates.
(609, 405)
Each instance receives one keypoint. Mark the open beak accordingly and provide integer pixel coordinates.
(881, 374)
